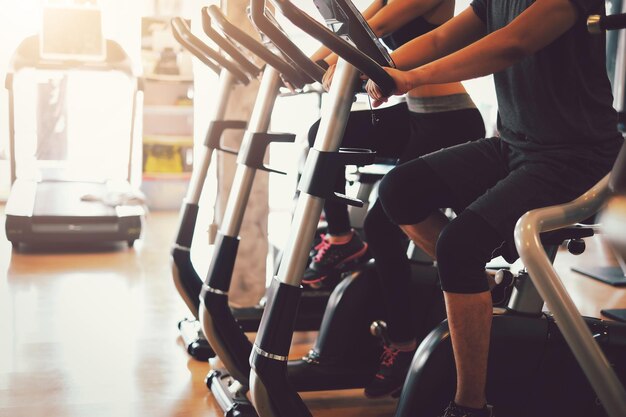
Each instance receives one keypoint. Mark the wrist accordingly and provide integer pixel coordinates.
(416, 78)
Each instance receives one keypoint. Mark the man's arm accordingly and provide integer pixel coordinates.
(538, 26)
(453, 35)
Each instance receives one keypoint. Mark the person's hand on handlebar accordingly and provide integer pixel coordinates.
(404, 83)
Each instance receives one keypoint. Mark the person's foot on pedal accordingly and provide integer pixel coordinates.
(334, 254)
(394, 365)
(454, 410)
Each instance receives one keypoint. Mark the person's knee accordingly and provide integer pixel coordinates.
(402, 194)
(451, 245)
(463, 249)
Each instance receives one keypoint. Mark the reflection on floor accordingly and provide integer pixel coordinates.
(93, 333)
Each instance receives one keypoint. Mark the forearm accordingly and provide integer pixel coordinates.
(416, 53)
(322, 53)
(532, 30)
(487, 56)
(455, 34)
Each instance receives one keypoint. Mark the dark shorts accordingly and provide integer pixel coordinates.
(501, 183)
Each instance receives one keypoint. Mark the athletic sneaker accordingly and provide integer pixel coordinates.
(454, 410)
(332, 257)
(394, 365)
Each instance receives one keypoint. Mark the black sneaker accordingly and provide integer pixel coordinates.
(394, 365)
(454, 410)
(332, 257)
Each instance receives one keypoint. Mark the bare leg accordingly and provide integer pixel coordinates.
(469, 318)
(426, 233)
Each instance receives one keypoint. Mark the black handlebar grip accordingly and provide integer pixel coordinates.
(345, 50)
(282, 42)
(200, 50)
(227, 46)
(254, 46)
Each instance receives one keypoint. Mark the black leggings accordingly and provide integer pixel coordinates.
(389, 137)
(404, 135)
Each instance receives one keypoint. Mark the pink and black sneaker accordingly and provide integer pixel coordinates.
(394, 365)
(334, 258)
(454, 410)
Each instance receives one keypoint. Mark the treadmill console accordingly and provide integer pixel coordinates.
(72, 33)
(343, 18)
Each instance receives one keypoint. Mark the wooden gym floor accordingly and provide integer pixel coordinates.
(93, 333)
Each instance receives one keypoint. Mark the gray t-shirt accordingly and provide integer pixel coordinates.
(559, 97)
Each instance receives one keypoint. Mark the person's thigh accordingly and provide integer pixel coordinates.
(532, 185)
(431, 132)
(452, 177)
(388, 136)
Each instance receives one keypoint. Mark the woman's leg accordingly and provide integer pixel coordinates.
(388, 137)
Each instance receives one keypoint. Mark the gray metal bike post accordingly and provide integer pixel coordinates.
(619, 81)
(244, 176)
(571, 324)
(198, 176)
(308, 210)
(235, 208)
(330, 134)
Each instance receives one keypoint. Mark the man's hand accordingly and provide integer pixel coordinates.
(327, 79)
(402, 79)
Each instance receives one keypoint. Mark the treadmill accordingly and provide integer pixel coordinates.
(53, 205)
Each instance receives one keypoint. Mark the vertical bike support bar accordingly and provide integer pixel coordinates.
(214, 294)
(597, 24)
(332, 126)
(8, 84)
(586, 350)
(244, 176)
(226, 83)
(270, 391)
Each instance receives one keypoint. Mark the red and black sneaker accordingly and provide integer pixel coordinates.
(332, 257)
(394, 365)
